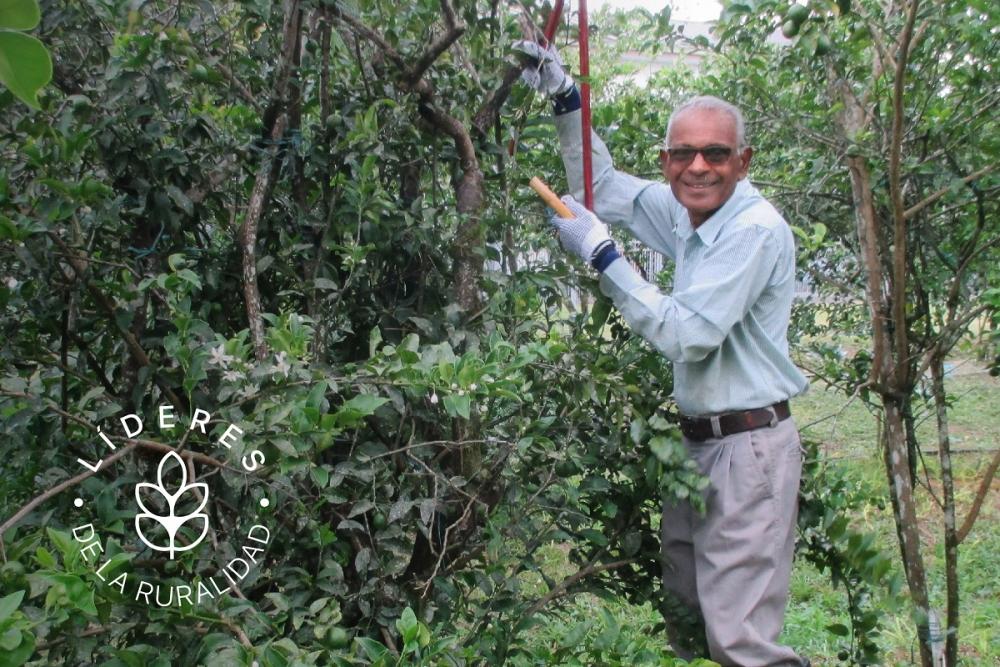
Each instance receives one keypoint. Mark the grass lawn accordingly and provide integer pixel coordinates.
(848, 433)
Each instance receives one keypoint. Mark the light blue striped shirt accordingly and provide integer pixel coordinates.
(725, 325)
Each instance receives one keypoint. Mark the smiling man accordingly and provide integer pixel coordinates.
(724, 326)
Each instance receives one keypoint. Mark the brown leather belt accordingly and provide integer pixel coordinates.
(701, 428)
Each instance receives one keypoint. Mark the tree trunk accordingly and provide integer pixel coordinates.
(950, 530)
(885, 379)
(275, 122)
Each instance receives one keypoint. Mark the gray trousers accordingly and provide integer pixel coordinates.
(731, 566)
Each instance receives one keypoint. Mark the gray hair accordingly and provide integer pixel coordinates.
(710, 103)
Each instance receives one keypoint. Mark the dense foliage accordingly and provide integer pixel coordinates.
(418, 453)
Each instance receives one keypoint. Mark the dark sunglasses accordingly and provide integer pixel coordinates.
(712, 154)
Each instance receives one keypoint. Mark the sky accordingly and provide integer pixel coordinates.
(688, 10)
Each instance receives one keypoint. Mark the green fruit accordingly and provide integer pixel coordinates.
(789, 29)
(337, 637)
(797, 13)
(379, 521)
(91, 188)
(201, 73)
(823, 45)
(861, 32)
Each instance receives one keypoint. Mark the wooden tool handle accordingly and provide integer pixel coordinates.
(550, 198)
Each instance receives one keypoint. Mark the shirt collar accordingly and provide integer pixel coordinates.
(709, 230)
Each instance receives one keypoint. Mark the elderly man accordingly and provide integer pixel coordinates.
(724, 326)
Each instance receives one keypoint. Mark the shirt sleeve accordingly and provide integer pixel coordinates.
(647, 210)
(693, 322)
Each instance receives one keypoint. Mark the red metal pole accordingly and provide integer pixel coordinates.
(588, 167)
(553, 23)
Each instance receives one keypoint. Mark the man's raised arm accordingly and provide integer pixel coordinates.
(646, 209)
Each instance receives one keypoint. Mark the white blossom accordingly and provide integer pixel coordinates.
(232, 376)
(218, 357)
(282, 366)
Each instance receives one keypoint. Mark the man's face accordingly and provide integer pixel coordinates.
(704, 182)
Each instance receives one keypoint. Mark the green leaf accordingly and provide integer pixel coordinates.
(372, 648)
(838, 629)
(8, 230)
(25, 66)
(19, 655)
(321, 476)
(10, 640)
(77, 591)
(64, 543)
(180, 199)
(9, 604)
(458, 405)
(19, 14)
(408, 625)
(365, 404)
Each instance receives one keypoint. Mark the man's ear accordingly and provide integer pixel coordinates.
(663, 163)
(745, 156)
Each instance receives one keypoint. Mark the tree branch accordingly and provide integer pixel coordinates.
(435, 49)
(564, 585)
(59, 488)
(469, 188)
(266, 175)
(898, 288)
(79, 265)
(977, 503)
(930, 199)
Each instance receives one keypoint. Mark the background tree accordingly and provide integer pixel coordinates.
(891, 106)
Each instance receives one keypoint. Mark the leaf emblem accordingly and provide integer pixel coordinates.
(160, 508)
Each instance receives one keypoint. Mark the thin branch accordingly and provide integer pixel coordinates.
(564, 585)
(434, 51)
(364, 31)
(444, 545)
(240, 87)
(490, 109)
(144, 444)
(57, 489)
(981, 493)
(415, 445)
(930, 199)
(79, 266)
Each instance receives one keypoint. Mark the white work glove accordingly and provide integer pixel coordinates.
(548, 75)
(583, 234)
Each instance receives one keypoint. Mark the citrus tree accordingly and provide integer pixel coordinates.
(879, 139)
(301, 220)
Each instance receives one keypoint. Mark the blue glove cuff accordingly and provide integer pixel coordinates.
(566, 102)
(605, 254)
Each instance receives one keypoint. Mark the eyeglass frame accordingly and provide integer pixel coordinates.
(696, 150)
